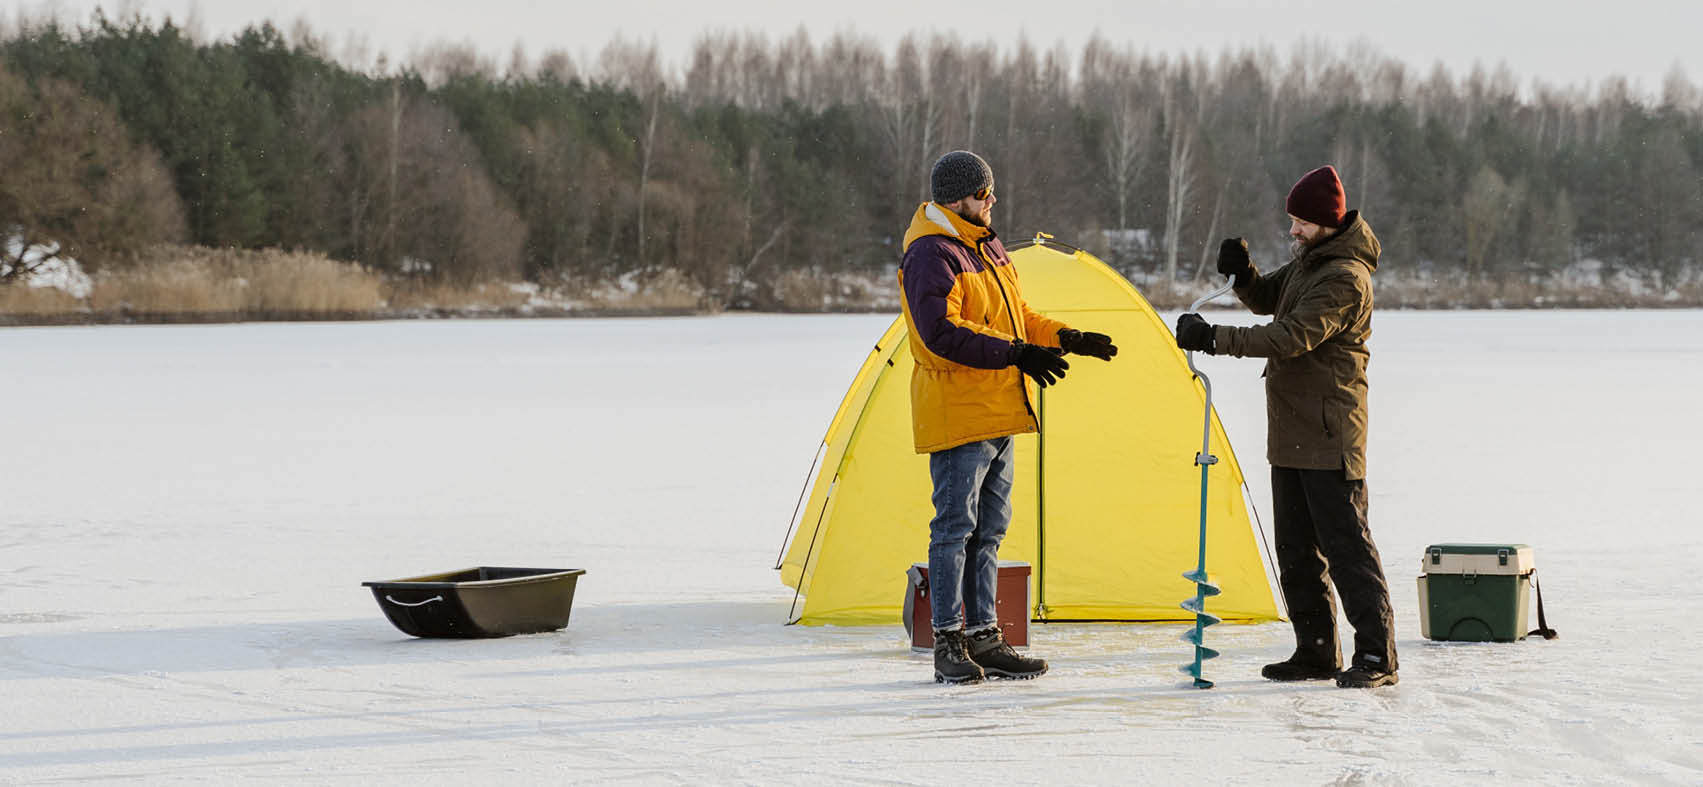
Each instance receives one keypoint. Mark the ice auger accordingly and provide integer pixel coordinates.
(1203, 587)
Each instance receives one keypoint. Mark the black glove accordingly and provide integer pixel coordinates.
(1233, 261)
(1041, 363)
(1098, 345)
(1195, 333)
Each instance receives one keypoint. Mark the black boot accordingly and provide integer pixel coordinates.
(989, 649)
(952, 662)
(1300, 666)
(1365, 675)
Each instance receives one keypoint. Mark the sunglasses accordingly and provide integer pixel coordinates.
(982, 194)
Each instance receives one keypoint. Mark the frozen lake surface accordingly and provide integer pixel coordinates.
(187, 513)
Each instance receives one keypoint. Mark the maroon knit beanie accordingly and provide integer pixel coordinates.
(1317, 197)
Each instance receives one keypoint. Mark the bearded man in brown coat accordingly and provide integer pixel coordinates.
(1315, 384)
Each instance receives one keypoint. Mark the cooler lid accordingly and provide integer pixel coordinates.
(1477, 559)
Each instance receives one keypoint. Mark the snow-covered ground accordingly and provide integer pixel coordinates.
(187, 513)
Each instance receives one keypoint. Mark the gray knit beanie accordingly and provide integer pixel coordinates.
(958, 175)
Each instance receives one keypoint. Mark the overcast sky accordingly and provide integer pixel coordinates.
(1557, 41)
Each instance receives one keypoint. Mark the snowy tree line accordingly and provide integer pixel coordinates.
(754, 157)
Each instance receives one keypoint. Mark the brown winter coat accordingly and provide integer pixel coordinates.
(1315, 373)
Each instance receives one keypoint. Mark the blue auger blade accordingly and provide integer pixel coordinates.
(1193, 668)
(1194, 637)
(1198, 607)
(1206, 653)
(1200, 578)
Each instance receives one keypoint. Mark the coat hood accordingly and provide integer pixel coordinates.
(932, 219)
(1354, 241)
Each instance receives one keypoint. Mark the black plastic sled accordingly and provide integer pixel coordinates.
(488, 601)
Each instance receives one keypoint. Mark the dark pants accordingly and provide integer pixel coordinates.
(1323, 539)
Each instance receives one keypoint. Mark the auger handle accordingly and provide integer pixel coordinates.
(1205, 456)
(1229, 284)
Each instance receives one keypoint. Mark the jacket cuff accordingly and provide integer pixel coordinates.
(1067, 331)
(1221, 339)
(1244, 282)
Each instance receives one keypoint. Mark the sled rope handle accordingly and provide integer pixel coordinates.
(392, 599)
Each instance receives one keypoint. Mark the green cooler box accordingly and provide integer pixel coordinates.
(1475, 592)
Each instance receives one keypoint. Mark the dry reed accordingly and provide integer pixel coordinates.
(667, 292)
(187, 283)
(415, 296)
(36, 302)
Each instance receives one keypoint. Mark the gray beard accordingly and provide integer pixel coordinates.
(1298, 247)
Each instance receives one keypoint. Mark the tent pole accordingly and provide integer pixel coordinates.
(810, 476)
(1040, 506)
(793, 613)
(1271, 562)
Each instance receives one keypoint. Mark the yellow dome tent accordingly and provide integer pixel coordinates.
(1105, 504)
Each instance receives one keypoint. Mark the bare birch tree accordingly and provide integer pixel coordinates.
(1112, 88)
(639, 70)
(910, 111)
(1486, 206)
(977, 69)
(1179, 178)
(440, 213)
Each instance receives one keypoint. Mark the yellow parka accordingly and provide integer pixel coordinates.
(965, 310)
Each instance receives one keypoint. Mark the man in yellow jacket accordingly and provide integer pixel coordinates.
(974, 340)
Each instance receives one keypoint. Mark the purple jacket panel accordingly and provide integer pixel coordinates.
(932, 265)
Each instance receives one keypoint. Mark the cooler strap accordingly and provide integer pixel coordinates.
(1543, 628)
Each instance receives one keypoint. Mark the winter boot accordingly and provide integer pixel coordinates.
(1299, 666)
(1365, 676)
(989, 649)
(952, 662)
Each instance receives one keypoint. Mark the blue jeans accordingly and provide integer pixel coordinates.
(972, 508)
